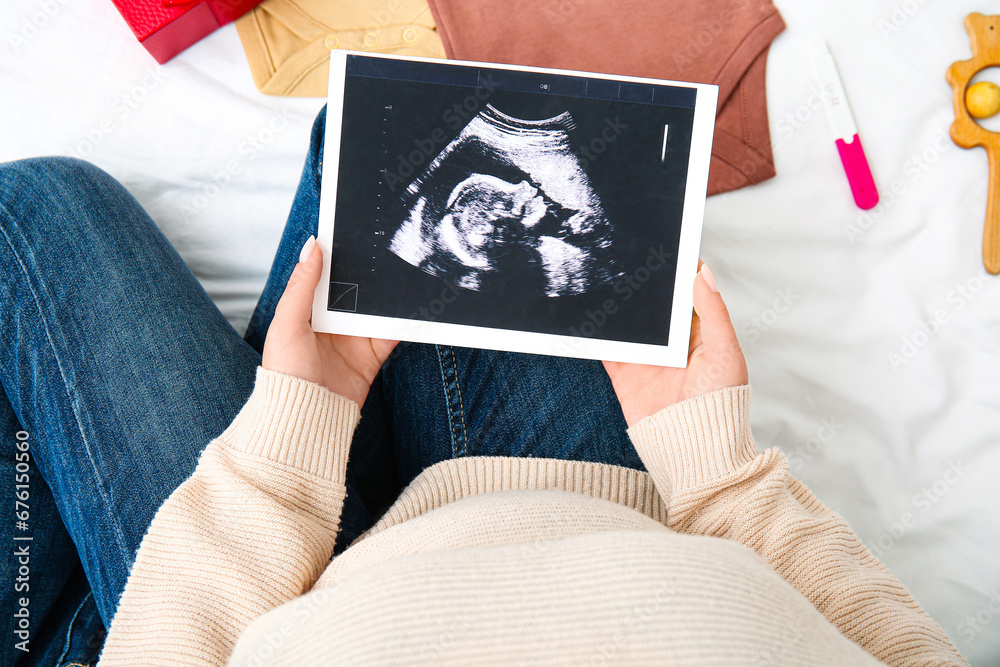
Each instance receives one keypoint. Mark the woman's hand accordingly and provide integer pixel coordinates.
(345, 365)
(715, 360)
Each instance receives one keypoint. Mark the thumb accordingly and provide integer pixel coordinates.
(716, 326)
(296, 301)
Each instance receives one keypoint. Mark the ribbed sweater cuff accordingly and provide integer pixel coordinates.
(296, 423)
(698, 440)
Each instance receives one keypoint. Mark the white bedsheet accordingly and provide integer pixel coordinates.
(873, 340)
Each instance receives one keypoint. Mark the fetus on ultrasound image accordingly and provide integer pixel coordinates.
(507, 206)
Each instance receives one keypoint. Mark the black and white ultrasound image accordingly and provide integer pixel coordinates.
(509, 210)
(508, 198)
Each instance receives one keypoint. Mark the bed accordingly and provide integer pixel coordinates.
(873, 338)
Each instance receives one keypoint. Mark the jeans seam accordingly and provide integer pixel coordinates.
(458, 438)
(69, 633)
(461, 402)
(62, 375)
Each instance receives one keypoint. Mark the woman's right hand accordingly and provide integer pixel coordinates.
(715, 360)
(345, 365)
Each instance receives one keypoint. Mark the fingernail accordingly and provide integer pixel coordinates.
(307, 248)
(706, 274)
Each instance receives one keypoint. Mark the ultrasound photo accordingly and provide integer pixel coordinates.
(508, 197)
(509, 201)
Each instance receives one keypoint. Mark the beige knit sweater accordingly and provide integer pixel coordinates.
(717, 556)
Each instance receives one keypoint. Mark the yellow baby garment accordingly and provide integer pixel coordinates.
(288, 42)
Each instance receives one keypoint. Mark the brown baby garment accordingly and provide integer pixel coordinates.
(288, 42)
(723, 42)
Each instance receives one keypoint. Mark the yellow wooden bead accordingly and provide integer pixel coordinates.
(983, 99)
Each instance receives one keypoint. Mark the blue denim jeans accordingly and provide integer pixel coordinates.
(117, 369)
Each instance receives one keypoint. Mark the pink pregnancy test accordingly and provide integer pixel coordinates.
(838, 113)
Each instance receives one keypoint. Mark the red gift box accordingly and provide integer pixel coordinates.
(167, 27)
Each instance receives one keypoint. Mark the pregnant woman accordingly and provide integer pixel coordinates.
(347, 500)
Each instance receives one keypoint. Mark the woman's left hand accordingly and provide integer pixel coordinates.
(715, 360)
(345, 365)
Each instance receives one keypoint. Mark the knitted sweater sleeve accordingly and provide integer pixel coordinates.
(703, 459)
(253, 527)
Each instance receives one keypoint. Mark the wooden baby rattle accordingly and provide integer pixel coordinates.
(984, 37)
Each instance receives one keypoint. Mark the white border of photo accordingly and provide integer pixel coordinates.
(675, 353)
